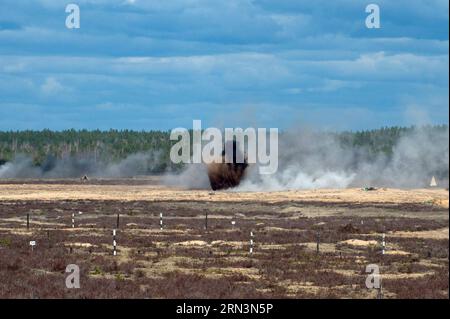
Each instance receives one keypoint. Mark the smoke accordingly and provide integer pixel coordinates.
(292, 178)
(21, 167)
(135, 164)
(194, 176)
(320, 160)
(307, 160)
(226, 174)
(72, 167)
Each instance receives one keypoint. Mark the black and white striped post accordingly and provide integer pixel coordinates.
(251, 243)
(206, 221)
(383, 244)
(73, 220)
(161, 221)
(28, 221)
(114, 243)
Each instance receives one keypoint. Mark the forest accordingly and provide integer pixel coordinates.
(44, 147)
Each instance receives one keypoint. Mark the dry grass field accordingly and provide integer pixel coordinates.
(185, 260)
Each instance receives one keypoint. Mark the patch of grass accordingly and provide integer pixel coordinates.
(5, 242)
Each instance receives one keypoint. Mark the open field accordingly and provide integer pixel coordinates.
(185, 260)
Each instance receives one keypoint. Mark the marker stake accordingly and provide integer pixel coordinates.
(318, 242)
(114, 243)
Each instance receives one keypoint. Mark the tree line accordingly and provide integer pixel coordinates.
(114, 145)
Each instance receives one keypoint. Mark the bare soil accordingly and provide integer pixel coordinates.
(186, 260)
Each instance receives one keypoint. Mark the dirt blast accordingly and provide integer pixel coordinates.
(226, 175)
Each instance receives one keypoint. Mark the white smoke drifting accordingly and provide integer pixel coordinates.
(306, 160)
(318, 160)
(133, 165)
(194, 176)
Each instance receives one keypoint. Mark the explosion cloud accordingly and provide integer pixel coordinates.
(224, 175)
(307, 159)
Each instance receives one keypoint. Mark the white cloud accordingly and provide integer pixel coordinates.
(51, 86)
(221, 53)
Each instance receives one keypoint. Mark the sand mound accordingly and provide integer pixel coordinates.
(359, 242)
(192, 243)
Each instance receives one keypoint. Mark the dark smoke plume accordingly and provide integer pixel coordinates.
(313, 159)
(227, 175)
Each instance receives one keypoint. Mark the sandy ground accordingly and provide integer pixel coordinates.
(285, 263)
(437, 197)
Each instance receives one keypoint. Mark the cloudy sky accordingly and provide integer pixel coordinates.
(159, 64)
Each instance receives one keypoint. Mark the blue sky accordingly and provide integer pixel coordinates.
(271, 63)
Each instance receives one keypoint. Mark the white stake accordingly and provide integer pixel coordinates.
(114, 243)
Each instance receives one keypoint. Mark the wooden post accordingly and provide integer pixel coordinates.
(206, 221)
(28, 221)
(118, 221)
(318, 241)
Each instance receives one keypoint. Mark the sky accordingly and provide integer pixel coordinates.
(160, 64)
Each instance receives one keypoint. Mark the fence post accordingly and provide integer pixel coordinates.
(114, 243)
(318, 241)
